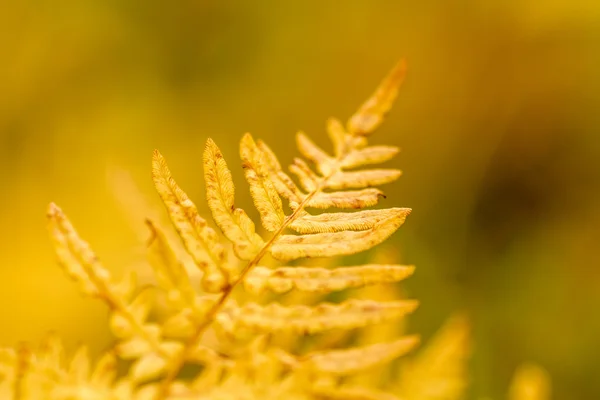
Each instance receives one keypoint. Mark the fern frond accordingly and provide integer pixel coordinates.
(222, 328)
(200, 240)
(233, 222)
(307, 279)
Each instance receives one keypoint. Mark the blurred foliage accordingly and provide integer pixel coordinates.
(498, 123)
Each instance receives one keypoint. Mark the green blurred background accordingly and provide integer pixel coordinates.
(498, 120)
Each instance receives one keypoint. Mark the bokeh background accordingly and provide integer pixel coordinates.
(498, 120)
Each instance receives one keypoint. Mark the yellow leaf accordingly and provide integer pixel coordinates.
(75, 255)
(302, 319)
(217, 330)
(361, 179)
(233, 222)
(335, 222)
(353, 360)
(266, 199)
(369, 155)
(291, 247)
(284, 185)
(370, 115)
(347, 199)
(309, 279)
(337, 134)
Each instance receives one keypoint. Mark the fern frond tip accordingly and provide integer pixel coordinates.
(370, 115)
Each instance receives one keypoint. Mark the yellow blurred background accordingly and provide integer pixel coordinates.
(498, 121)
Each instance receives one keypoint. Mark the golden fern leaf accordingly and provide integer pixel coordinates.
(222, 327)
(347, 199)
(263, 192)
(284, 185)
(75, 256)
(291, 247)
(233, 222)
(336, 222)
(349, 361)
(337, 135)
(312, 279)
(364, 178)
(369, 155)
(325, 316)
